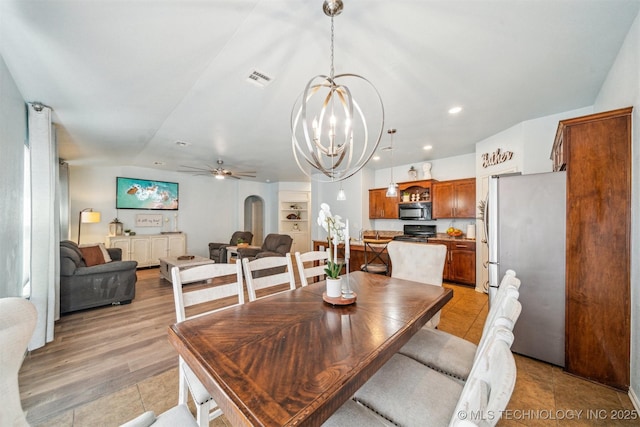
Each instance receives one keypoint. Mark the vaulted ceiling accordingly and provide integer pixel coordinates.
(129, 79)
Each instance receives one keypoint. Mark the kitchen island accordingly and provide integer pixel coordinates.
(460, 264)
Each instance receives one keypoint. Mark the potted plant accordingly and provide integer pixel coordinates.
(241, 243)
(406, 196)
(127, 232)
(334, 227)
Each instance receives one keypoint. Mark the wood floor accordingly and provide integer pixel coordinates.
(110, 364)
(97, 352)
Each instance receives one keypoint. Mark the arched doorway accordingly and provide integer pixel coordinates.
(254, 218)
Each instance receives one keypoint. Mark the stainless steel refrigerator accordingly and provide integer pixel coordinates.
(525, 219)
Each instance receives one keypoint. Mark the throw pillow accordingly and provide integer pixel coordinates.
(103, 248)
(92, 255)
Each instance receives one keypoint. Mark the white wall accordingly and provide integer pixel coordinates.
(530, 142)
(210, 210)
(622, 89)
(13, 127)
(353, 208)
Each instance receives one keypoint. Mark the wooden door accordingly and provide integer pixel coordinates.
(443, 200)
(463, 262)
(381, 206)
(375, 207)
(389, 206)
(598, 154)
(465, 198)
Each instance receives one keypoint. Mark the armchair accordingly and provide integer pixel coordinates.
(218, 251)
(83, 286)
(274, 245)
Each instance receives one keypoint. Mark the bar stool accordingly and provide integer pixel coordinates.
(374, 248)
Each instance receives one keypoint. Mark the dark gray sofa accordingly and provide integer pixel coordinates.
(87, 287)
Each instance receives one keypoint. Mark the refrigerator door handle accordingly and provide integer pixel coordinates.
(485, 219)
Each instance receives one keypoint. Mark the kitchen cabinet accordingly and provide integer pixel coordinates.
(381, 206)
(418, 191)
(146, 249)
(454, 199)
(294, 218)
(460, 263)
(597, 152)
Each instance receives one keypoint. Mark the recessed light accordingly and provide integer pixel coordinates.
(376, 158)
(455, 110)
(182, 143)
(427, 147)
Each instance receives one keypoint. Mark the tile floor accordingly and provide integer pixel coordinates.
(544, 395)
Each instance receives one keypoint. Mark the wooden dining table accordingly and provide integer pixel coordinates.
(292, 359)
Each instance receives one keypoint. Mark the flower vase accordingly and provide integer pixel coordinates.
(334, 287)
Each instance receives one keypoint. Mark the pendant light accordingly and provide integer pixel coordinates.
(392, 189)
(341, 194)
(331, 138)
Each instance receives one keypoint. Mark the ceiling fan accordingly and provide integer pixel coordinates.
(219, 172)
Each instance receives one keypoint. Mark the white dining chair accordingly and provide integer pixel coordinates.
(406, 392)
(17, 322)
(418, 262)
(490, 384)
(353, 414)
(455, 356)
(271, 274)
(177, 416)
(314, 271)
(195, 295)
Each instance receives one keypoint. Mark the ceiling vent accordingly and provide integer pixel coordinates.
(259, 78)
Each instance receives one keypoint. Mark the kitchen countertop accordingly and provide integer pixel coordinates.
(445, 236)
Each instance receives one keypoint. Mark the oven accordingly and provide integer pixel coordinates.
(417, 233)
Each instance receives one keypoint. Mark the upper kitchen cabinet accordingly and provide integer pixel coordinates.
(381, 206)
(454, 199)
(415, 191)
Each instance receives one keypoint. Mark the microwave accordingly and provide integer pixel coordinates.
(415, 211)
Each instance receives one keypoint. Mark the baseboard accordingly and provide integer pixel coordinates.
(634, 399)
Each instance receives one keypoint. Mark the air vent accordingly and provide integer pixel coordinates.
(259, 78)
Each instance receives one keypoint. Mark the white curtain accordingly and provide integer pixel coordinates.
(45, 276)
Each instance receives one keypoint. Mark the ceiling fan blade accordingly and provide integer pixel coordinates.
(194, 168)
(217, 171)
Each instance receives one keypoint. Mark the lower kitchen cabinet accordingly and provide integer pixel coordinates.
(148, 248)
(460, 264)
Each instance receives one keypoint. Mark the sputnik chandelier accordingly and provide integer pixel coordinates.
(329, 128)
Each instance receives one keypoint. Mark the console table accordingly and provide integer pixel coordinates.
(147, 249)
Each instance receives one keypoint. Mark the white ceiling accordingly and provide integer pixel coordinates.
(127, 79)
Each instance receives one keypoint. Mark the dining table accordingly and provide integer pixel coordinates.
(292, 359)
